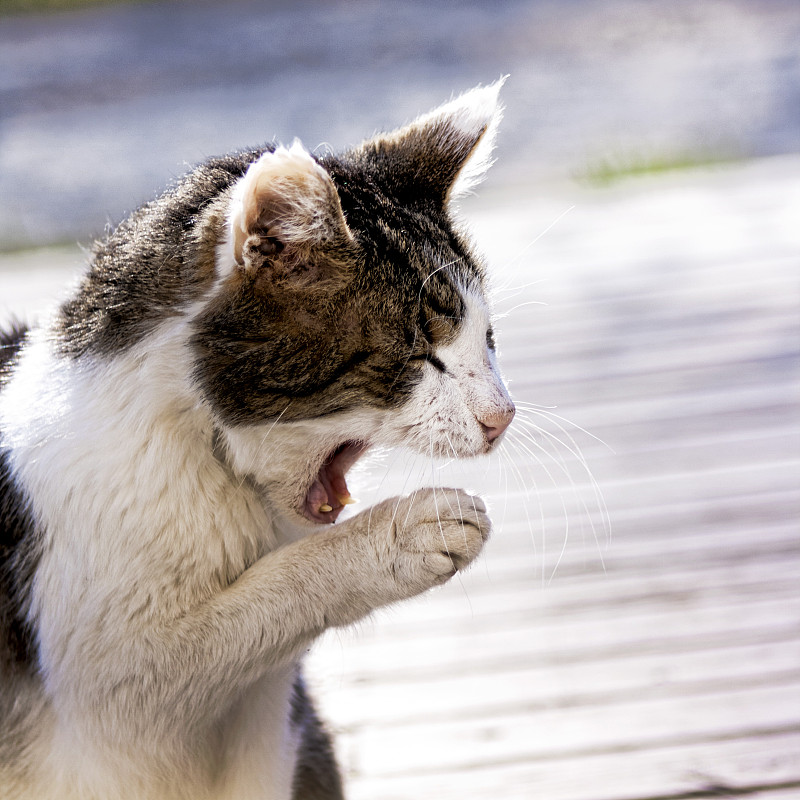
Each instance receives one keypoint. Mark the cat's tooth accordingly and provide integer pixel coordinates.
(325, 508)
(347, 501)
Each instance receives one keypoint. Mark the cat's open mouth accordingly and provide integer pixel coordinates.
(328, 493)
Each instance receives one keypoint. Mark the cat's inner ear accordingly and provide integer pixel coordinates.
(286, 212)
(442, 154)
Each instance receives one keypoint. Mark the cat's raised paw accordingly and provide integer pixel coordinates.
(432, 534)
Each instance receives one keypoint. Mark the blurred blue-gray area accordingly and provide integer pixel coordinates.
(100, 107)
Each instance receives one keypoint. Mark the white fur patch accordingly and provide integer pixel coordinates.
(444, 416)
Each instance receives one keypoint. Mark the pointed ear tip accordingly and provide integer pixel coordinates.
(298, 148)
(287, 163)
(491, 90)
(296, 151)
(480, 105)
(489, 94)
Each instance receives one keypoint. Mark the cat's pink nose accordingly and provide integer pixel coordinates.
(495, 424)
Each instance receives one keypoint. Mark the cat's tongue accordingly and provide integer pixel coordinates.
(328, 494)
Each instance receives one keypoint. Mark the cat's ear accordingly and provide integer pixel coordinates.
(442, 154)
(286, 213)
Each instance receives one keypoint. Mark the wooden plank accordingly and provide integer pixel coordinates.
(667, 527)
(493, 474)
(702, 412)
(693, 546)
(574, 733)
(789, 792)
(671, 772)
(481, 600)
(544, 639)
(668, 357)
(353, 699)
(758, 334)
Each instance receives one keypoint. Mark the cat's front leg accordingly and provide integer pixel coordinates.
(264, 620)
(339, 574)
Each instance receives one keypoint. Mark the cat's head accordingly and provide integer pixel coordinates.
(348, 311)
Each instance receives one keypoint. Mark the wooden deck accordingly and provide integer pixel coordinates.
(658, 657)
(661, 660)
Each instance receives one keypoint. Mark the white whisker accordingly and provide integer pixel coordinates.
(514, 290)
(574, 487)
(547, 411)
(518, 306)
(575, 451)
(531, 454)
(514, 467)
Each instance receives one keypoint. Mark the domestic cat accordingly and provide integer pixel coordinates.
(174, 444)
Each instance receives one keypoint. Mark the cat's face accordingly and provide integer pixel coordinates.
(348, 313)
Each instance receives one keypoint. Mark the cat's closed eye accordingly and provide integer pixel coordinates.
(436, 362)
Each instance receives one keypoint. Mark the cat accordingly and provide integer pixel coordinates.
(174, 446)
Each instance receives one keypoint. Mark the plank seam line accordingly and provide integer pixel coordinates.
(661, 743)
(719, 790)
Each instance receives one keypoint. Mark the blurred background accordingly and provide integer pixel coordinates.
(632, 631)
